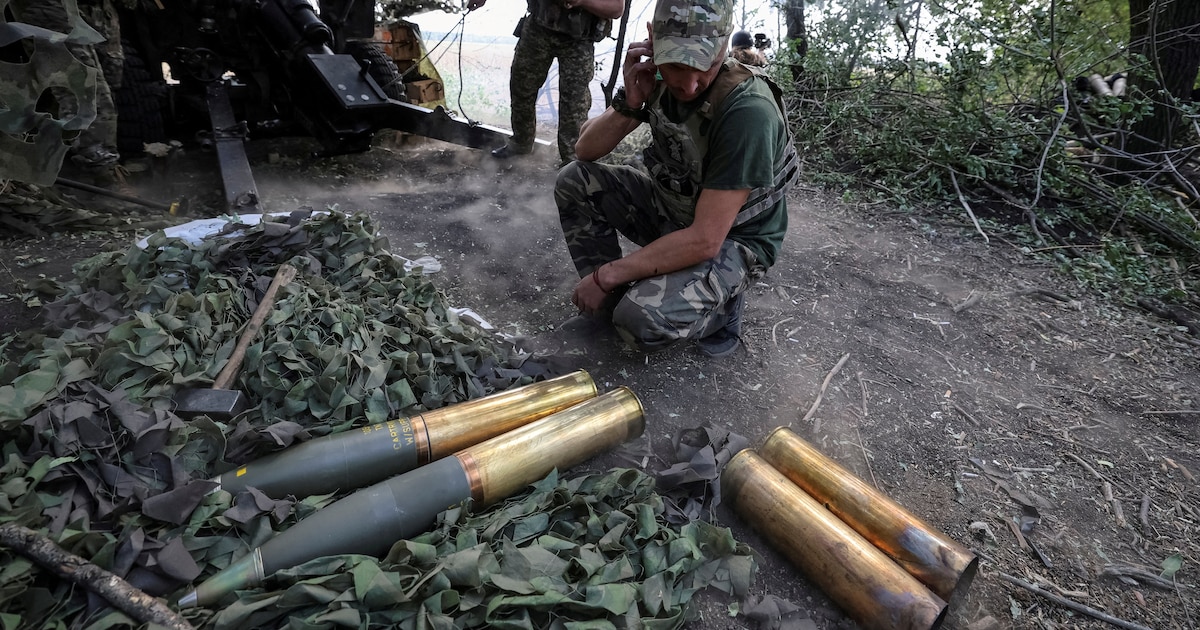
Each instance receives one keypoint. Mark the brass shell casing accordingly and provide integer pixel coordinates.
(938, 562)
(370, 520)
(503, 465)
(451, 429)
(868, 585)
(360, 457)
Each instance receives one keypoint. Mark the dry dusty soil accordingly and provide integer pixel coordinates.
(1049, 430)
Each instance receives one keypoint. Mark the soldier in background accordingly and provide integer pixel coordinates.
(744, 50)
(96, 146)
(555, 29)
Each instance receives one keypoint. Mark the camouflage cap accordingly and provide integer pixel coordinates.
(691, 32)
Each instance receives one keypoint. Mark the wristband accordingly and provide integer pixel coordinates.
(596, 279)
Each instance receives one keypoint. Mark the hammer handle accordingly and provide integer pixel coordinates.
(284, 275)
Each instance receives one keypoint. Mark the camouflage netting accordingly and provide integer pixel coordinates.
(95, 458)
(33, 142)
(38, 211)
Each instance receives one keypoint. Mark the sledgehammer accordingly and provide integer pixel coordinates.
(218, 401)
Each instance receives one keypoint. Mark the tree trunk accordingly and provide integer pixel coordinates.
(1167, 34)
(796, 32)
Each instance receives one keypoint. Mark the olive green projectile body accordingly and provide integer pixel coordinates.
(371, 520)
(360, 457)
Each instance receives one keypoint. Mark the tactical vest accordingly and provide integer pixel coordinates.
(675, 157)
(574, 23)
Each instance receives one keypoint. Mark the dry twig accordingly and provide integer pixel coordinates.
(1073, 605)
(973, 298)
(1118, 513)
(120, 594)
(1144, 575)
(965, 414)
(776, 326)
(966, 206)
(866, 458)
(863, 387)
(825, 385)
(1086, 466)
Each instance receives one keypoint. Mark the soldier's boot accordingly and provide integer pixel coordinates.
(508, 151)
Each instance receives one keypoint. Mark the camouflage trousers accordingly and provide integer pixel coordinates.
(102, 16)
(537, 48)
(598, 201)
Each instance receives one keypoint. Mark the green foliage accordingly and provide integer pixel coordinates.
(989, 114)
(590, 552)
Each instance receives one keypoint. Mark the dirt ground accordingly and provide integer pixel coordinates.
(1048, 429)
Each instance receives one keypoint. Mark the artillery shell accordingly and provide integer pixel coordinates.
(353, 459)
(371, 520)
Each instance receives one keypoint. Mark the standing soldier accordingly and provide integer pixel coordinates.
(556, 29)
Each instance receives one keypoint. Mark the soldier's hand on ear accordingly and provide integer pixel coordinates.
(639, 71)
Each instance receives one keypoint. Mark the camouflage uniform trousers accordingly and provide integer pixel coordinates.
(102, 15)
(595, 202)
(536, 50)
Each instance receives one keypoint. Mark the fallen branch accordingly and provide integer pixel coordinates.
(1045, 295)
(1073, 605)
(1140, 574)
(1035, 222)
(1175, 314)
(825, 385)
(1185, 340)
(120, 594)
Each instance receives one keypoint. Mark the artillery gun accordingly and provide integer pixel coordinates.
(264, 68)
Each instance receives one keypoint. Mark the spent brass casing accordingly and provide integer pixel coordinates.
(938, 562)
(503, 465)
(356, 458)
(867, 584)
(371, 520)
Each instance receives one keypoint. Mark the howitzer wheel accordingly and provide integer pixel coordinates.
(382, 68)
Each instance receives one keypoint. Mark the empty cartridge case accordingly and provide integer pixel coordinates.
(868, 585)
(356, 458)
(370, 520)
(940, 563)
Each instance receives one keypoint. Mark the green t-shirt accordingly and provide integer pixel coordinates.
(746, 146)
